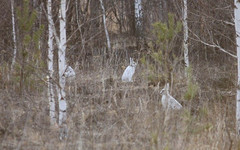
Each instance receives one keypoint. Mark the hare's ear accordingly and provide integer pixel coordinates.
(131, 61)
(167, 86)
(161, 92)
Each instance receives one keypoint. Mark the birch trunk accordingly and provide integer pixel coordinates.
(62, 64)
(185, 41)
(237, 28)
(161, 11)
(105, 25)
(14, 36)
(138, 13)
(50, 64)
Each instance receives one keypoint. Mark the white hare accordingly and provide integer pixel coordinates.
(69, 72)
(167, 100)
(70, 79)
(129, 71)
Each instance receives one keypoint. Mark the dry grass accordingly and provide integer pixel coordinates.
(105, 113)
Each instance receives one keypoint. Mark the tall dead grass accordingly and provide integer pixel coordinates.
(104, 113)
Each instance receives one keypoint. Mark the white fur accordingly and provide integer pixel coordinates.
(69, 72)
(129, 71)
(70, 79)
(168, 101)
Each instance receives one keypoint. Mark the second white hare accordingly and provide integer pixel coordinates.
(167, 100)
(129, 71)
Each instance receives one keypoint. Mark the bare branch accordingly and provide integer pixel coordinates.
(211, 45)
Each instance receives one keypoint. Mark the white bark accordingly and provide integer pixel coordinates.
(50, 64)
(14, 36)
(237, 28)
(62, 63)
(105, 25)
(138, 13)
(185, 31)
(51, 22)
(161, 11)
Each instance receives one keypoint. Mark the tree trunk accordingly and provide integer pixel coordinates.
(14, 36)
(50, 64)
(105, 26)
(185, 31)
(138, 16)
(62, 64)
(138, 12)
(237, 28)
(79, 26)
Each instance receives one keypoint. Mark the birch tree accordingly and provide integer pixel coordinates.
(138, 14)
(62, 64)
(105, 25)
(14, 35)
(50, 64)
(185, 31)
(62, 67)
(237, 28)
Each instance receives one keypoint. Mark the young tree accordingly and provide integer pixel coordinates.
(185, 31)
(105, 25)
(14, 35)
(50, 63)
(237, 28)
(28, 47)
(161, 48)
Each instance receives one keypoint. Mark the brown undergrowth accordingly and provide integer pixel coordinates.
(104, 113)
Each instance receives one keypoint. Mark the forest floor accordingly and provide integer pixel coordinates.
(104, 113)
